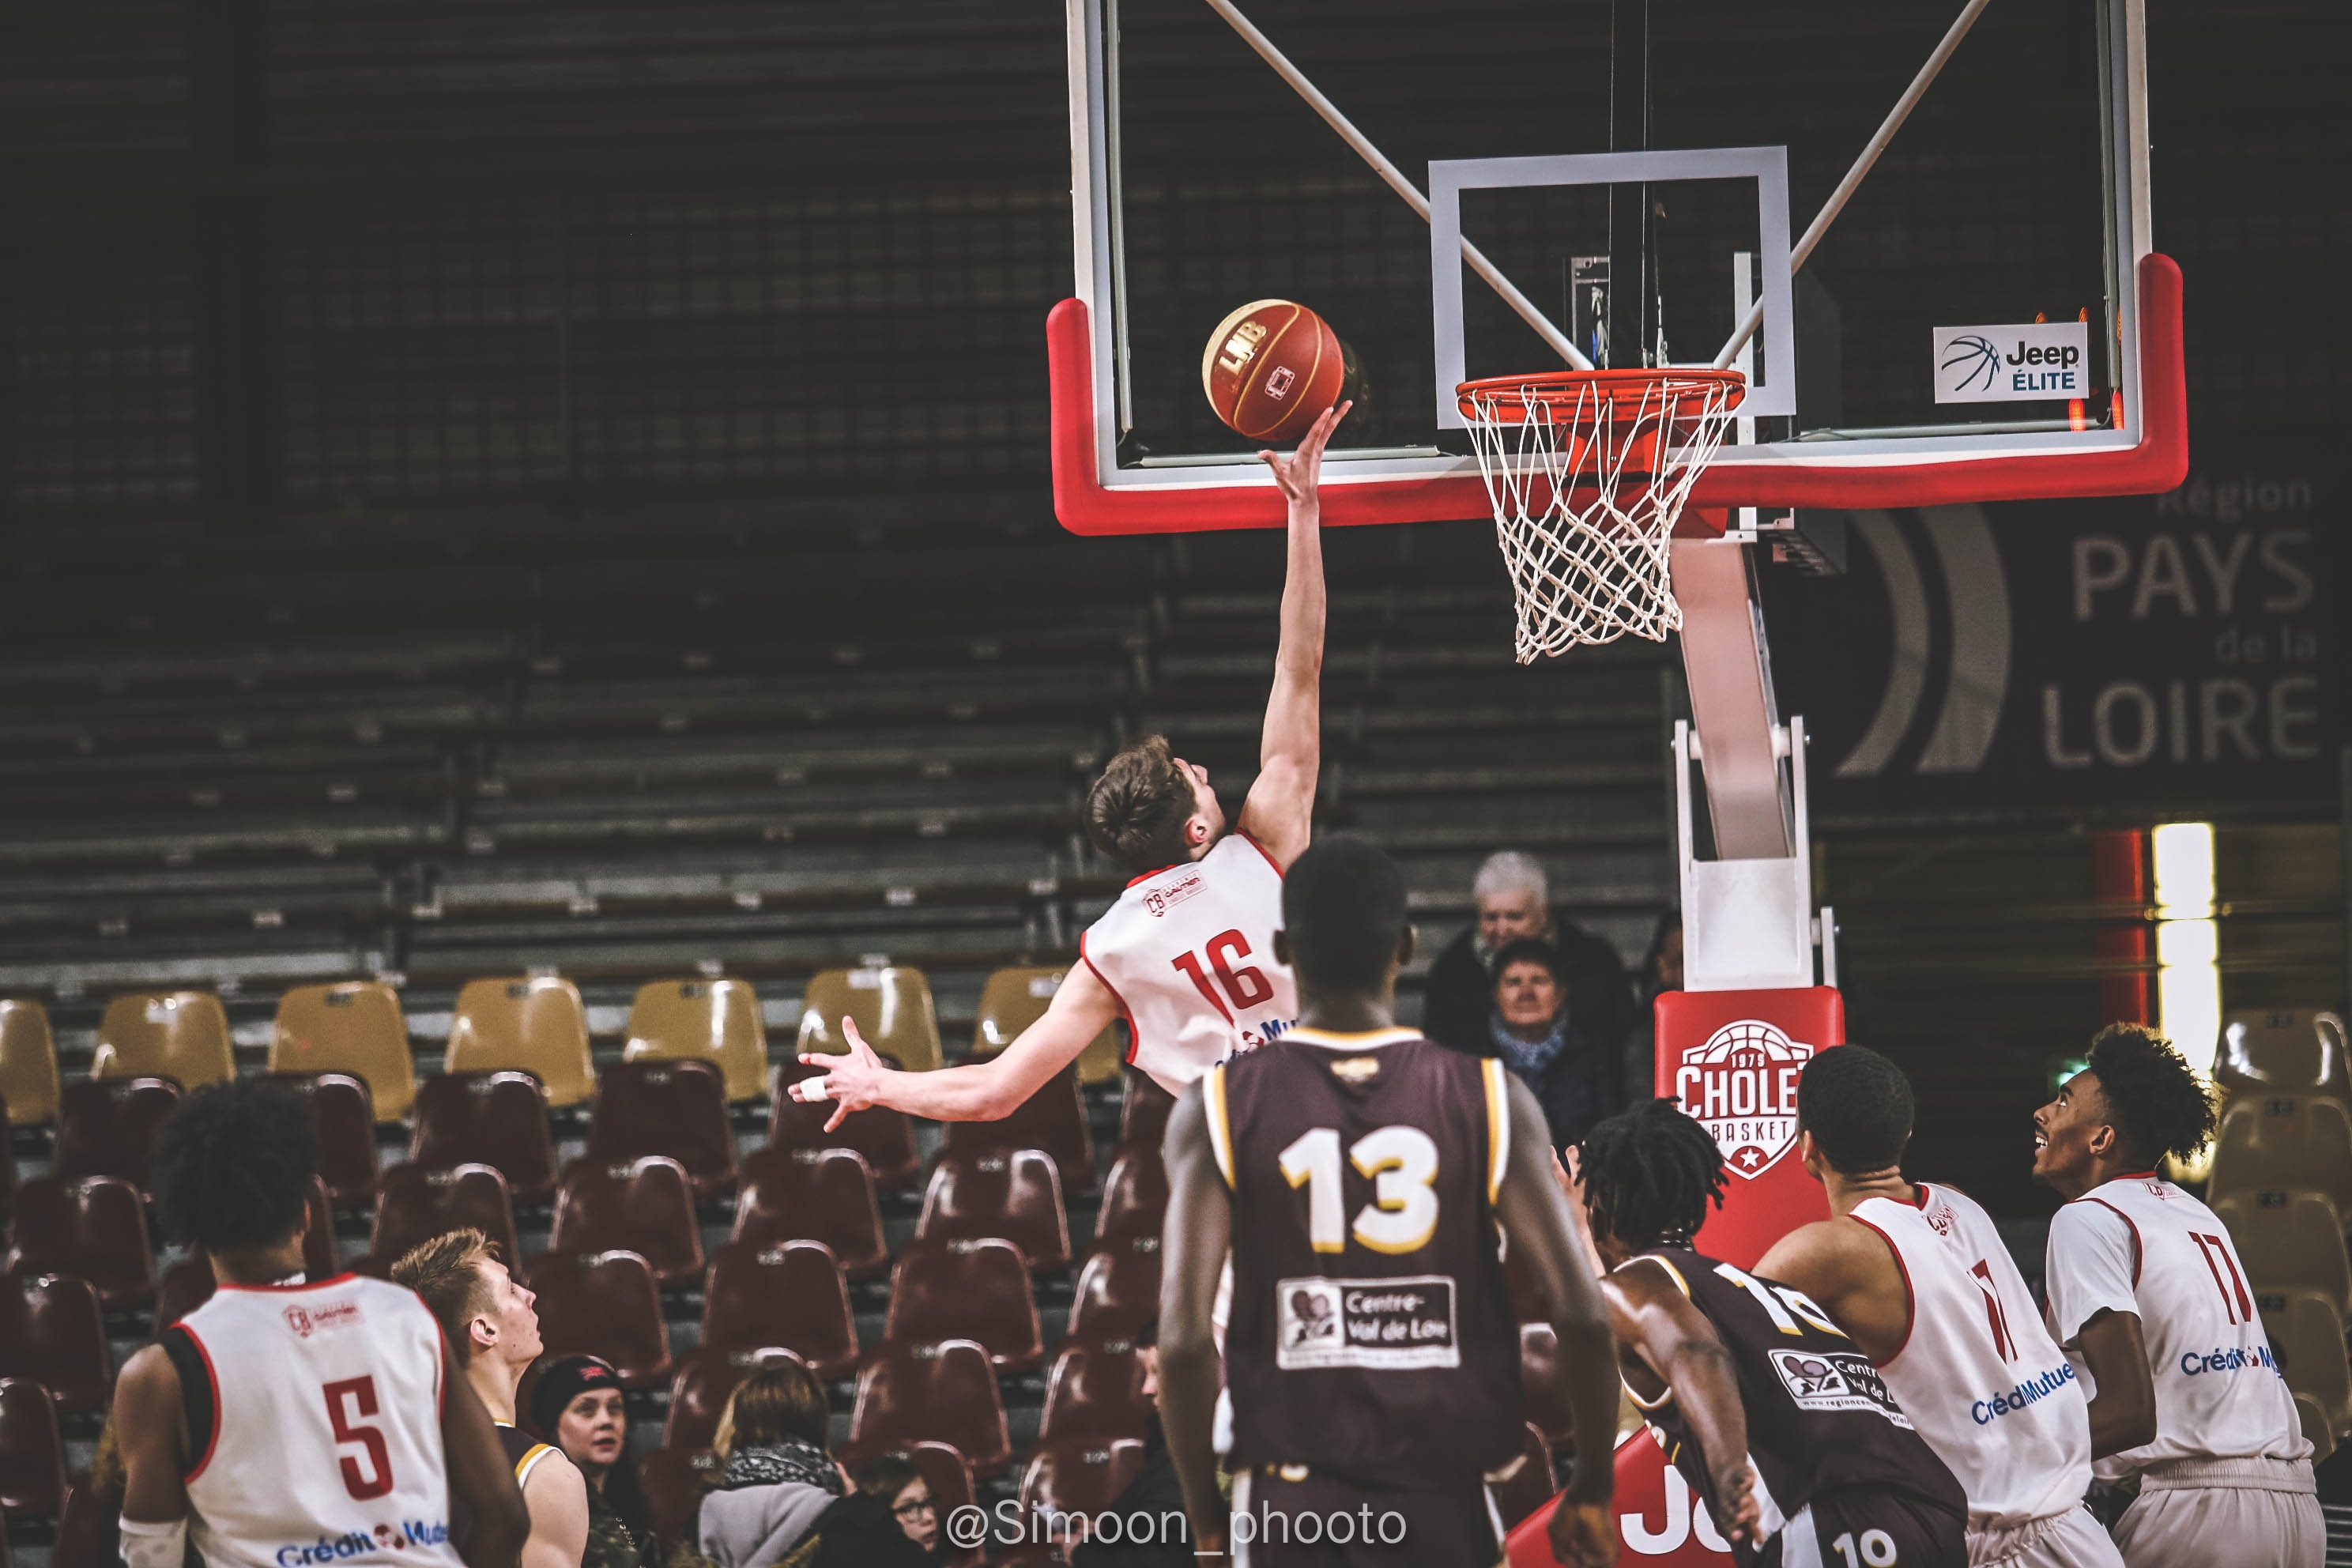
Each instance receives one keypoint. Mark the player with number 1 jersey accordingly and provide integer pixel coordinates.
(1185, 955)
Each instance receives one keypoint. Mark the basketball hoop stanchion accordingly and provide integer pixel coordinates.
(1588, 472)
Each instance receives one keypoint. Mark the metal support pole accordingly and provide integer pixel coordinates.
(1629, 202)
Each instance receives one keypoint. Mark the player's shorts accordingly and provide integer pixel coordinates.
(1873, 1526)
(2247, 1513)
(2069, 1539)
(1297, 1519)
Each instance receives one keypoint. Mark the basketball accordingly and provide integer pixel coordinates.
(1271, 367)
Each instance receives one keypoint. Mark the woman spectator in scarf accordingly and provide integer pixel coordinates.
(1531, 1029)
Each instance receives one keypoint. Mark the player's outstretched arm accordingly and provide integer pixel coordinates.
(1200, 1227)
(1280, 811)
(1537, 1227)
(2123, 1415)
(1850, 1271)
(488, 1521)
(980, 1091)
(1656, 1322)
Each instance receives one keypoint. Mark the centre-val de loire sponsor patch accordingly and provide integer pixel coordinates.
(1837, 1379)
(1388, 1324)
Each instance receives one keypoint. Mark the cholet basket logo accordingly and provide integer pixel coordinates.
(1741, 1086)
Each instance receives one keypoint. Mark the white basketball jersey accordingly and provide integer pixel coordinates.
(325, 1440)
(2140, 1245)
(1978, 1374)
(1188, 953)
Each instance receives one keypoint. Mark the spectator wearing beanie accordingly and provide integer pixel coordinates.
(578, 1407)
(1532, 1028)
(1513, 903)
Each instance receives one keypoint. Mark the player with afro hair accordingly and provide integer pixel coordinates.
(232, 1167)
(1649, 1174)
(2135, 1102)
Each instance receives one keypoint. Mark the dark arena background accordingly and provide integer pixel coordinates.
(522, 494)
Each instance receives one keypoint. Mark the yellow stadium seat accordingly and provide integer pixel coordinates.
(2284, 1052)
(180, 1034)
(536, 1025)
(2314, 1426)
(2307, 1336)
(353, 1027)
(892, 1006)
(28, 1063)
(2290, 1241)
(2271, 1141)
(1015, 998)
(716, 1021)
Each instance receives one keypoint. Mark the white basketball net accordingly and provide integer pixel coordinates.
(1582, 522)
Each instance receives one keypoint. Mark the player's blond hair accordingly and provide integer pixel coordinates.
(446, 1271)
(1137, 811)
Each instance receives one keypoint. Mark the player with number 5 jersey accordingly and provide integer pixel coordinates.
(2149, 1298)
(289, 1423)
(1185, 955)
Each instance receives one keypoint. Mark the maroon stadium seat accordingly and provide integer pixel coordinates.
(1015, 1194)
(815, 1195)
(1547, 1409)
(32, 1456)
(674, 1480)
(95, 1227)
(944, 1390)
(83, 1525)
(605, 1304)
(489, 1119)
(643, 1206)
(1053, 1118)
(1077, 1475)
(53, 1331)
(1118, 1291)
(1095, 1389)
(942, 1468)
(1143, 1113)
(971, 1289)
(342, 1114)
(786, 1293)
(1134, 1198)
(698, 1393)
(673, 1108)
(884, 1136)
(1529, 1486)
(107, 1127)
(417, 1205)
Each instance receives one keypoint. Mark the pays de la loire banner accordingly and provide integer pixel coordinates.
(2184, 647)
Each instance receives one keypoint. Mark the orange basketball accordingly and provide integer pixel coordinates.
(1271, 367)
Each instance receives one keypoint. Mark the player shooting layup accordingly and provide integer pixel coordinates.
(1186, 956)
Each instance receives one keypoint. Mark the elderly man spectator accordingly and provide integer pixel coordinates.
(1514, 904)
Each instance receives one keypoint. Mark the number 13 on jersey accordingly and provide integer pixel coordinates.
(1401, 1163)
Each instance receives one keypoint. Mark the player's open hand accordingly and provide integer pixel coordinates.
(1737, 1514)
(1298, 475)
(852, 1080)
(1583, 1534)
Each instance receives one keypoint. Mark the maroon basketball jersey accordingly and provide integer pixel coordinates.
(1371, 1335)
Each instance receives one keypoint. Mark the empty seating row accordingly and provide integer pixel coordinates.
(535, 1023)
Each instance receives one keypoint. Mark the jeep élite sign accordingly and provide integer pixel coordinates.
(2033, 362)
(2172, 650)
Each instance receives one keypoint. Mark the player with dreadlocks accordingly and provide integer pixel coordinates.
(1770, 1412)
(2148, 1299)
